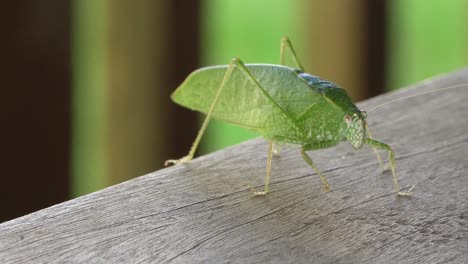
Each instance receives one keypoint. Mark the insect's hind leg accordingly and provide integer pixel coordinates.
(391, 157)
(309, 161)
(286, 43)
(191, 153)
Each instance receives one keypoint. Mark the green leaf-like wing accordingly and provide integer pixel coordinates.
(243, 103)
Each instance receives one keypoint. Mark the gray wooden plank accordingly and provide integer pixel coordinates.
(203, 212)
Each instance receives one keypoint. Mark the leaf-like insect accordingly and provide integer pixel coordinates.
(281, 103)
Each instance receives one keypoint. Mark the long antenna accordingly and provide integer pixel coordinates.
(414, 95)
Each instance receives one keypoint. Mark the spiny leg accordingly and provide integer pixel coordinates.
(285, 42)
(191, 153)
(237, 62)
(376, 151)
(308, 160)
(391, 157)
(268, 171)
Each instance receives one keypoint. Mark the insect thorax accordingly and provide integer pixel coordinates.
(327, 124)
(316, 82)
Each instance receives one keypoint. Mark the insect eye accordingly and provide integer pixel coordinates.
(348, 119)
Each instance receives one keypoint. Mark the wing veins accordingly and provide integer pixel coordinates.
(289, 119)
(305, 111)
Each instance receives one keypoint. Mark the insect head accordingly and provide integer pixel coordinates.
(355, 132)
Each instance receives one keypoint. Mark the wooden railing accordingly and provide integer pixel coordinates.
(203, 211)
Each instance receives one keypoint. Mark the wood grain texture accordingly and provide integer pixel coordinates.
(202, 212)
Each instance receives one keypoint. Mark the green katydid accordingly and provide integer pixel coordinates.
(283, 104)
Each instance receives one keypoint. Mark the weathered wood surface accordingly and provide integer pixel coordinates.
(203, 212)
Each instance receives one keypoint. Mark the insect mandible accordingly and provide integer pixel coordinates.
(281, 103)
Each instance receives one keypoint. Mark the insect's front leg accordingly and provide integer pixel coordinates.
(383, 167)
(391, 157)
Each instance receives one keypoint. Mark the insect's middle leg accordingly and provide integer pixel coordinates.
(268, 170)
(276, 149)
(309, 161)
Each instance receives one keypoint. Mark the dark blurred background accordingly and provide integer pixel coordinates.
(86, 83)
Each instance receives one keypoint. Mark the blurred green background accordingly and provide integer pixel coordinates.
(100, 112)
